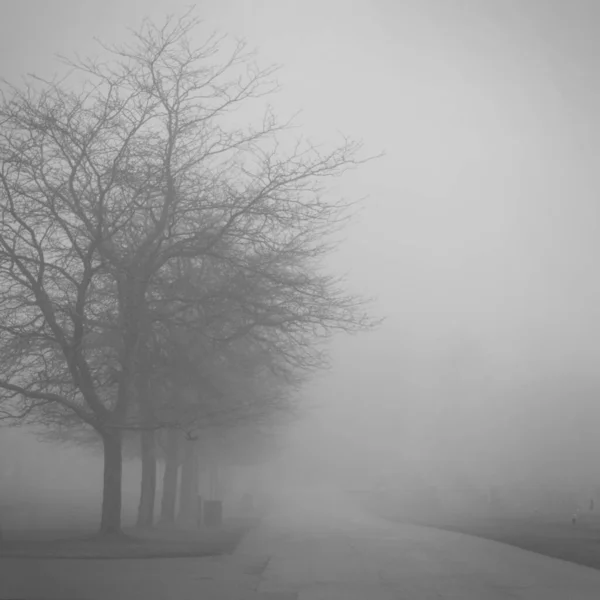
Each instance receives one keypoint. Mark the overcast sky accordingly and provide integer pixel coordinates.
(480, 236)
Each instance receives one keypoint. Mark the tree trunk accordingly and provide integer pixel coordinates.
(145, 516)
(214, 491)
(111, 494)
(188, 488)
(169, 493)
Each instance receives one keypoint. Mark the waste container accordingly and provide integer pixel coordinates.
(247, 504)
(213, 513)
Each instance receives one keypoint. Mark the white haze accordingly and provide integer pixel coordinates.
(479, 239)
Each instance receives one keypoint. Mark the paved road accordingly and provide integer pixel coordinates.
(317, 548)
(337, 553)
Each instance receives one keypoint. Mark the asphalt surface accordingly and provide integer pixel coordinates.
(324, 548)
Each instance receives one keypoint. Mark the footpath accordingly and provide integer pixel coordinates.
(347, 555)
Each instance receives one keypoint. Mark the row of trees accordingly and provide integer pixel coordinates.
(161, 264)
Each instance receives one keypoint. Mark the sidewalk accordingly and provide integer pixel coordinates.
(358, 557)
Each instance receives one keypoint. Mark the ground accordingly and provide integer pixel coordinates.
(70, 544)
(317, 547)
(551, 535)
(336, 551)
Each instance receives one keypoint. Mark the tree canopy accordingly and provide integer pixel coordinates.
(139, 205)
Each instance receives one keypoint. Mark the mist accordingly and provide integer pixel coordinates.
(477, 241)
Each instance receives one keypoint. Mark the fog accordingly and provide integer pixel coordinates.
(478, 239)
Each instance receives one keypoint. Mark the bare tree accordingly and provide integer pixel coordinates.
(103, 185)
(237, 339)
(205, 388)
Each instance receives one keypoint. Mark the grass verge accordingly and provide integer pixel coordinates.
(555, 537)
(156, 543)
(550, 535)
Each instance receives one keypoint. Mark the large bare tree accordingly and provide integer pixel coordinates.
(106, 179)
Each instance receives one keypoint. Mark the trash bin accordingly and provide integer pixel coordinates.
(247, 504)
(213, 513)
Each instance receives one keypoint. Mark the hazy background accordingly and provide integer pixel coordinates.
(480, 238)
